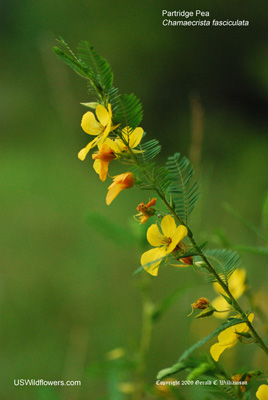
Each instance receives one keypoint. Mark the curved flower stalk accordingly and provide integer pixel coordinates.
(229, 338)
(171, 184)
(164, 243)
(237, 286)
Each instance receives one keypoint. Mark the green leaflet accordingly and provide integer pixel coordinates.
(223, 261)
(179, 365)
(97, 64)
(79, 66)
(128, 110)
(184, 193)
(150, 150)
(75, 64)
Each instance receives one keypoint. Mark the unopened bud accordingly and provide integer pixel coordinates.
(201, 303)
(187, 260)
(92, 105)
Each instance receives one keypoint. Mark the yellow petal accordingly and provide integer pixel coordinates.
(97, 166)
(228, 336)
(105, 133)
(135, 137)
(217, 287)
(90, 125)
(244, 327)
(101, 167)
(236, 283)
(217, 349)
(121, 178)
(83, 153)
(220, 304)
(102, 115)
(180, 233)
(113, 191)
(168, 226)
(262, 392)
(126, 133)
(119, 146)
(154, 237)
(113, 127)
(149, 257)
(104, 170)
(110, 111)
(112, 144)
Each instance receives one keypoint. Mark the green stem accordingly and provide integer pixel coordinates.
(146, 333)
(209, 266)
(231, 297)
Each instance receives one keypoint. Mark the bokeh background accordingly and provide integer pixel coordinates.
(67, 290)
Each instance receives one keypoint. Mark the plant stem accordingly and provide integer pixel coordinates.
(231, 297)
(209, 266)
(146, 333)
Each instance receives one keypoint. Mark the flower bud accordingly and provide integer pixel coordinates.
(201, 304)
(91, 105)
(146, 211)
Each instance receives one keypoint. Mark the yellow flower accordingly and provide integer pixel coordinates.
(100, 128)
(102, 159)
(123, 181)
(165, 243)
(129, 136)
(229, 338)
(237, 286)
(262, 392)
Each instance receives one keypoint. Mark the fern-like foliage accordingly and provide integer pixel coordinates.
(151, 178)
(66, 55)
(150, 150)
(127, 110)
(224, 262)
(97, 64)
(184, 193)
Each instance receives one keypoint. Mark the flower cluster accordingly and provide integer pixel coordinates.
(174, 186)
(109, 148)
(118, 146)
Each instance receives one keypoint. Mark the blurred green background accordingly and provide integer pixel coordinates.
(67, 293)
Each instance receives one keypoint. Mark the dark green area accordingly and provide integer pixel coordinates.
(66, 290)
